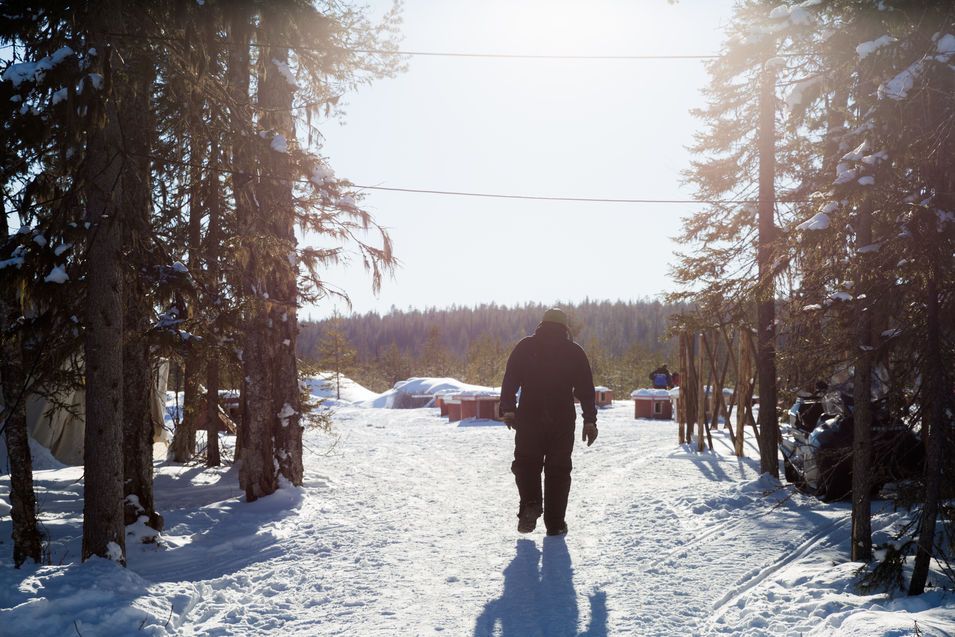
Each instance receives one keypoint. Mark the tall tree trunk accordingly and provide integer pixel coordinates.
(183, 446)
(933, 396)
(257, 474)
(27, 539)
(212, 361)
(276, 95)
(766, 308)
(184, 440)
(862, 398)
(138, 383)
(103, 529)
(240, 118)
(936, 385)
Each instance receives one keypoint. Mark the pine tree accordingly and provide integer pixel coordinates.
(104, 533)
(436, 358)
(336, 353)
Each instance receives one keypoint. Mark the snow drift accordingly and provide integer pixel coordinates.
(424, 387)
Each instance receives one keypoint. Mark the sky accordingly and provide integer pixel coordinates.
(564, 128)
(606, 129)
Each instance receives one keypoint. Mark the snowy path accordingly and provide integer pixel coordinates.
(406, 526)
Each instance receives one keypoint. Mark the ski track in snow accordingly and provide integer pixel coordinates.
(406, 526)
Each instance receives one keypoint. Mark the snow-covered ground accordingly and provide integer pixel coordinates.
(338, 389)
(406, 526)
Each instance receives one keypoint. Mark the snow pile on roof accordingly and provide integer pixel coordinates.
(675, 392)
(323, 386)
(601, 388)
(427, 386)
(650, 393)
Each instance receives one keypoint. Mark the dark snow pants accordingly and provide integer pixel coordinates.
(544, 446)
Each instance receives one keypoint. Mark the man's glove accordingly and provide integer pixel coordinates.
(510, 419)
(589, 433)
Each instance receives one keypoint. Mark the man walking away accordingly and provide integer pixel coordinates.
(549, 369)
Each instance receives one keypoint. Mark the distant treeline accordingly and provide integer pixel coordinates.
(624, 341)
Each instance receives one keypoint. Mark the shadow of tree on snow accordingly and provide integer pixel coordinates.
(539, 597)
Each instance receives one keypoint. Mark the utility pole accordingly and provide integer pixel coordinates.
(766, 291)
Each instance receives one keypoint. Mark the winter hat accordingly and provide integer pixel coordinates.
(555, 315)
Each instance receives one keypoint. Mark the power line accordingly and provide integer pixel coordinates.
(463, 193)
(492, 195)
(416, 53)
(525, 56)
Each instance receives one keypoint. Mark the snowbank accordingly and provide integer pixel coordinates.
(409, 529)
(323, 386)
(43, 460)
(426, 387)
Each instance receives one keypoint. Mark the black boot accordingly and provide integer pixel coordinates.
(527, 518)
(558, 530)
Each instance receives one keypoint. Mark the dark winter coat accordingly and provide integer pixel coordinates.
(550, 369)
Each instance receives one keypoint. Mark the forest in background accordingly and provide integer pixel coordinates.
(624, 340)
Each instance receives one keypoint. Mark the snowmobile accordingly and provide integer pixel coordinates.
(817, 449)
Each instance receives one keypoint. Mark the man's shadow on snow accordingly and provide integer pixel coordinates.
(539, 597)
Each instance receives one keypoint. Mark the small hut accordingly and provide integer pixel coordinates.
(487, 407)
(454, 409)
(603, 396)
(468, 407)
(652, 404)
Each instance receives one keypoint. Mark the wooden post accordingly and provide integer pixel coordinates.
(681, 401)
(701, 397)
(718, 405)
(743, 373)
(713, 381)
(688, 389)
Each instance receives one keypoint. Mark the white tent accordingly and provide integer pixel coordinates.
(58, 422)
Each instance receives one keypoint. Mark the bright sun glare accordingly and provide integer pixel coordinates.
(567, 28)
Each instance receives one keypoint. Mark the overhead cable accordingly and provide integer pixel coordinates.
(492, 195)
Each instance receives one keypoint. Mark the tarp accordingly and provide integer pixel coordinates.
(58, 422)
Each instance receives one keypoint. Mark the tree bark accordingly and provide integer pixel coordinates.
(213, 458)
(275, 96)
(257, 474)
(936, 388)
(183, 446)
(27, 539)
(933, 420)
(766, 308)
(184, 440)
(138, 383)
(103, 529)
(862, 399)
